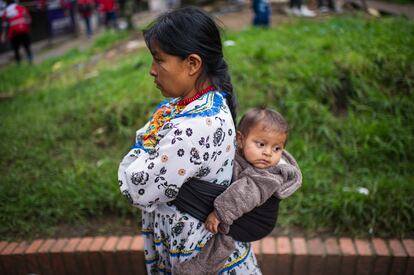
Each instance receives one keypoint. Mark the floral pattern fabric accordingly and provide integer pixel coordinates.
(199, 142)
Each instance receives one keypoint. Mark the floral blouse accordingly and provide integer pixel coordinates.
(198, 142)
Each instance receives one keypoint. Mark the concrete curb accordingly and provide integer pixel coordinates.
(276, 255)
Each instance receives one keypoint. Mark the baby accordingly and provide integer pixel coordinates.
(263, 173)
(261, 138)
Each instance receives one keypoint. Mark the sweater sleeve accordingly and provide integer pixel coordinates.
(243, 195)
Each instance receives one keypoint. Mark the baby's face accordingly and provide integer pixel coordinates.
(262, 148)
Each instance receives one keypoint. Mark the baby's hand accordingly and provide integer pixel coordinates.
(212, 223)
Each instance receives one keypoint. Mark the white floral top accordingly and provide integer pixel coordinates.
(199, 142)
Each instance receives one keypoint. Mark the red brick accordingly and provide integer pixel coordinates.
(137, 255)
(333, 257)
(124, 243)
(108, 254)
(366, 257)
(399, 259)
(110, 244)
(43, 257)
(46, 246)
(349, 258)
(19, 258)
(82, 255)
(95, 256)
(9, 248)
(409, 248)
(33, 266)
(284, 257)
(316, 256)
(69, 256)
(383, 260)
(71, 245)
(300, 260)
(97, 244)
(122, 255)
(7, 258)
(34, 247)
(268, 255)
(3, 245)
(137, 244)
(84, 244)
(56, 257)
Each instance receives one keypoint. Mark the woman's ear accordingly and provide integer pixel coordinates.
(239, 139)
(195, 63)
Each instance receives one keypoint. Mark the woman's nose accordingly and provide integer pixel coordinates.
(152, 71)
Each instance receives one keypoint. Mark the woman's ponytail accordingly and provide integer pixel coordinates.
(220, 78)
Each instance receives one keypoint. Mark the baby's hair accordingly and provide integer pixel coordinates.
(270, 119)
(188, 31)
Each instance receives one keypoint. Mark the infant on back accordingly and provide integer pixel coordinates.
(263, 173)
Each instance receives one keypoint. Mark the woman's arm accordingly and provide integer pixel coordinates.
(149, 178)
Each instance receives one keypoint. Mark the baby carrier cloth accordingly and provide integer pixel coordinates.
(196, 197)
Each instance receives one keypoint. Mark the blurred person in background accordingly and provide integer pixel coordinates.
(69, 7)
(327, 6)
(297, 8)
(262, 13)
(16, 22)
(108, 9)
(86, 8)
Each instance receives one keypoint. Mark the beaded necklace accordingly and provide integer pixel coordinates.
(164, 114)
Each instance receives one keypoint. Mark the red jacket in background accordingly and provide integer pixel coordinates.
(17, 19)
(86, 7)
(107, 5)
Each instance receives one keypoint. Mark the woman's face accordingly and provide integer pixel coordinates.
(171, 74)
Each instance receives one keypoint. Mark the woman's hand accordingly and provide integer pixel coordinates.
(212, 222)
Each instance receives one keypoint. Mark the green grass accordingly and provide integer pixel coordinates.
(344, 85)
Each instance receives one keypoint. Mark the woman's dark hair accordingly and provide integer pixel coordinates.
(269, 118)
(188, 31)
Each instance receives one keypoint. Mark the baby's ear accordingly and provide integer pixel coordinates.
(239, 139)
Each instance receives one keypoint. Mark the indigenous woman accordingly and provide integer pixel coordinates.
(191, 135)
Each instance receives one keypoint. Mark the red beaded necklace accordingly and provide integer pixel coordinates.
(187, 101)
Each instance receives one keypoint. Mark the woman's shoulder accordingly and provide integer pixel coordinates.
(209, 105)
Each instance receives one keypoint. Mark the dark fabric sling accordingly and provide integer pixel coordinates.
(196, 197)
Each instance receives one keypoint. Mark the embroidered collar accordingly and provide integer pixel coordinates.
(164, 114)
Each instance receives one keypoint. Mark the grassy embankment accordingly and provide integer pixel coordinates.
(345, 86)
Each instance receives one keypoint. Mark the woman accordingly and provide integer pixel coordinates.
(190, 136)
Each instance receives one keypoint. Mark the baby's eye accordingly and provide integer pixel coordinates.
(259, 144)
(277, 149)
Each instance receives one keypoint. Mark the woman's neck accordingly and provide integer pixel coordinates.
(194, 91)
(188, 100)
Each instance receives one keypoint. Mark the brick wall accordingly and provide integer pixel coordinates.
(281, 256)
